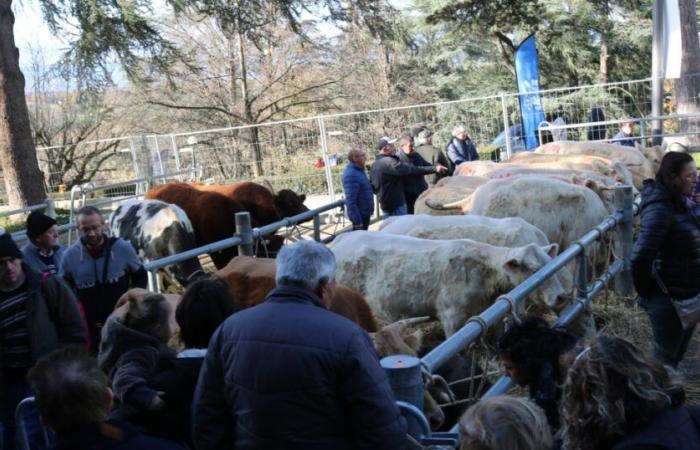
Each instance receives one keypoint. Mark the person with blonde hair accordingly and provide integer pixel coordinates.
(461, 149)
(504, 423)
(615, 397)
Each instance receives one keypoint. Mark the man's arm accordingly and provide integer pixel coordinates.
(401, 168)
(212, 424)
(129, 379)
(369, 403)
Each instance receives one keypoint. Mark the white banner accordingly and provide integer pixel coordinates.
(672, 43)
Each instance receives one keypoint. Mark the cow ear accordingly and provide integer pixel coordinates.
(592, 185)
(414, 340)
(552, 250)
(514, 262)
(302, 197)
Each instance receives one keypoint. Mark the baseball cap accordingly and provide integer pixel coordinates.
(384, 141)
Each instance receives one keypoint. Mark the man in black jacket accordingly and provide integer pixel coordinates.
(387, 177)
(290, 374)
(413, 185)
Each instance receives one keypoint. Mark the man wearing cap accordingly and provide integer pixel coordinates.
(100, 269)
(42, 253)
(38, 313)
(432, 154)
(387, 177)
(413, 185)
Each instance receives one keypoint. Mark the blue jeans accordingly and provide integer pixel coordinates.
(400, 211)
(14, 392)
(670, 339)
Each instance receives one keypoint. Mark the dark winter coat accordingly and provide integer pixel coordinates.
(387, 177)
(669, 237)
(435, 156)
(112, 435)
(53, 318)
(289, 374)
(413, 185)
(673, 429)
(461, 151)
(359, 200)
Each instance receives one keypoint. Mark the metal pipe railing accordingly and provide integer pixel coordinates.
(478, 325)
(237, 240)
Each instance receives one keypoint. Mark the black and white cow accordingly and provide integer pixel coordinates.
(157, 229)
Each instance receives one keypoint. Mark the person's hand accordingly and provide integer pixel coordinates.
(440, 168)
(157, 404)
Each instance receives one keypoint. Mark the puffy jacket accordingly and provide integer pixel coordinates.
(669, 237)
(461, 151)
(673, 429)
(290, 374)
(358, 194)
(387, 179)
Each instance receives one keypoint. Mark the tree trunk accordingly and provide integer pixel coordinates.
(688, 85)
(23, 179)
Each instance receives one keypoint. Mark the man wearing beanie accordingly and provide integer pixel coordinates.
(100, 269)
(42, 253)
(38, 314)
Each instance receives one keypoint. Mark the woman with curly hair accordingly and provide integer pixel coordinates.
(616, 398)
(504, 423)
(530, 353)
(666, 257)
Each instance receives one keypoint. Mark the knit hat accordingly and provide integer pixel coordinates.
(37, 223)
(8, 246)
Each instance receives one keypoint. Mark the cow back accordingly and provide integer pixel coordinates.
(251, 279)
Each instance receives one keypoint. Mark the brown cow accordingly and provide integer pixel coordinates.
(212, 215)
(264, 206)
(250, 280)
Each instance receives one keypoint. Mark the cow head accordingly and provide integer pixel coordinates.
(521, 262)
(289, 203)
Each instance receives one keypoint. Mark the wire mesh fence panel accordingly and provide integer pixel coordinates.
(101, 161)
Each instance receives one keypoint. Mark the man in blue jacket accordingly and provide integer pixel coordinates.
(290, 374)
(358, 190)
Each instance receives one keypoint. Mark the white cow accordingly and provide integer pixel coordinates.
(638, 164)
(564, 212)
(447, 190)
(402, 276)
(506, 232)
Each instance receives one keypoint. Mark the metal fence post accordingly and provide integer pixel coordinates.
(245, 231)
(582, 274)
(317, 228)
(324, 153)
(50, 208)
(153, 284)
(176, 153)
(134, 159)
(404, 374)
(624, 199)
(506, 126)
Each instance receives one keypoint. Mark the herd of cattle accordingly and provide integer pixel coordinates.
(475, 235)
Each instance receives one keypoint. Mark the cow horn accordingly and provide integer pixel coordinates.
(433, 204)
(400, 325)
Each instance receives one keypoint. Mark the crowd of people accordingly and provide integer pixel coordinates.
(290, 374)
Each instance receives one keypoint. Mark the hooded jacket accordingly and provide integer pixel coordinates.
(290, 374)
(669, 237)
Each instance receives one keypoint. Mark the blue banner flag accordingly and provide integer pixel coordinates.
(528, 77)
